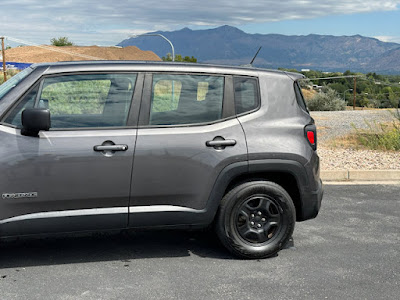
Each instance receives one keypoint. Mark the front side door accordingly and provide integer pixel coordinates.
(188, 136)
(76, 176)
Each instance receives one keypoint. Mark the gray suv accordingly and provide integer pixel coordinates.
(113, 145)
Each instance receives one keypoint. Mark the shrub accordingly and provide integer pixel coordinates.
(381, 136)
(10, 73)
(61, 41)
(327, 100)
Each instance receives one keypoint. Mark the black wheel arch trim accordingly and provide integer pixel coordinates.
(294, 168)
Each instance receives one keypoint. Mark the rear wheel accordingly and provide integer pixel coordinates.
(256, 219)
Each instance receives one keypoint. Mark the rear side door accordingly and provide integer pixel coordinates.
(188, 134)
(76, 176)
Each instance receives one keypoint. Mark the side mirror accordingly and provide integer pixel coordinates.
(34, 120)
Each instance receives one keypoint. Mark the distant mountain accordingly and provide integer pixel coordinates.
(229, 45)
(389, 62)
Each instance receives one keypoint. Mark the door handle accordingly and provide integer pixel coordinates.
(221, 143)
(110, 148)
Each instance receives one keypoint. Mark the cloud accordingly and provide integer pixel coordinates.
(105, 21)
(388, 38)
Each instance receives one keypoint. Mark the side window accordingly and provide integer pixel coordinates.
(186, 99)
(93, 100)
(246, 94)
(77, 101)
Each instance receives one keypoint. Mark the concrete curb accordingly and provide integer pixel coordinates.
(360, 175)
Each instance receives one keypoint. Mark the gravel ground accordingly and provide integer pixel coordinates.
(332, 124)
(350, 159)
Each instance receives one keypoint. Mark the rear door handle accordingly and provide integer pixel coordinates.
(110, 148)
(220, 143)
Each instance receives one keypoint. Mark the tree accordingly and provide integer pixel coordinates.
(61, 41)
(392, 97)
(190, 59)
(364, 102)
(178, 57)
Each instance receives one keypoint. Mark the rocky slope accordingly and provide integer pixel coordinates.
(229, 45)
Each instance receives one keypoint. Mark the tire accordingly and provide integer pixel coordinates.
(256, 219)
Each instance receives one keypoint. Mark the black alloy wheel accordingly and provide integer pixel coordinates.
(256, 219)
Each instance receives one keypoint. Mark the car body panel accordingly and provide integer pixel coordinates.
(276, 130)
(65, 172)
(173, 166)
(168, 176)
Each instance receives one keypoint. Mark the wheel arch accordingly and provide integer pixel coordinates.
(286, 180)
(289, 174)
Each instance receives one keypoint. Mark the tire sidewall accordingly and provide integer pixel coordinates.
(227, 230)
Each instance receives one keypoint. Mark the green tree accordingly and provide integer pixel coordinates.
(190, 59)
(61, 41)
(364, 102)
(179, 58)
(392, 97)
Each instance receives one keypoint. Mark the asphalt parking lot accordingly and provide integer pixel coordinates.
(350, 251)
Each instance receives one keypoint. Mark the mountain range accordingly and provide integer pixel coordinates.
(232, 46)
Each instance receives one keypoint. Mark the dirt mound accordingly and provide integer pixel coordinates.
(31, 54)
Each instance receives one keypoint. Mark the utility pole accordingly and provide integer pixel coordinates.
(354, 92)
(4, 58)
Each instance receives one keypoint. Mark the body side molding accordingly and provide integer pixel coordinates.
(66, 213)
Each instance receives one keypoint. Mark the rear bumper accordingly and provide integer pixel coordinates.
(311, 203)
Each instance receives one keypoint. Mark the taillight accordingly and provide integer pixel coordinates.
(311, 134)
(311, 137)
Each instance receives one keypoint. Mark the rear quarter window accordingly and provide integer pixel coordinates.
(246, 94)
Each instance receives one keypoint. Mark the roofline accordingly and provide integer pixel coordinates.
(158, 66)
(295, 76)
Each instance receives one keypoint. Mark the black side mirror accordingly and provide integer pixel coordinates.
(34, 120)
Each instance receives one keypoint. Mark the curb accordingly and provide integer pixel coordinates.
(360, 175)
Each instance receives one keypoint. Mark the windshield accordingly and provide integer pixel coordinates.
(13, 81)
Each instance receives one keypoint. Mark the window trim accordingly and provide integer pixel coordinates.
(300, 101)
(227, 106)
(132, 115)
(258, 91)
(39, 93)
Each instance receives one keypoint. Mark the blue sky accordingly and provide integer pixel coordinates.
(384, 25)
(98, 22)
